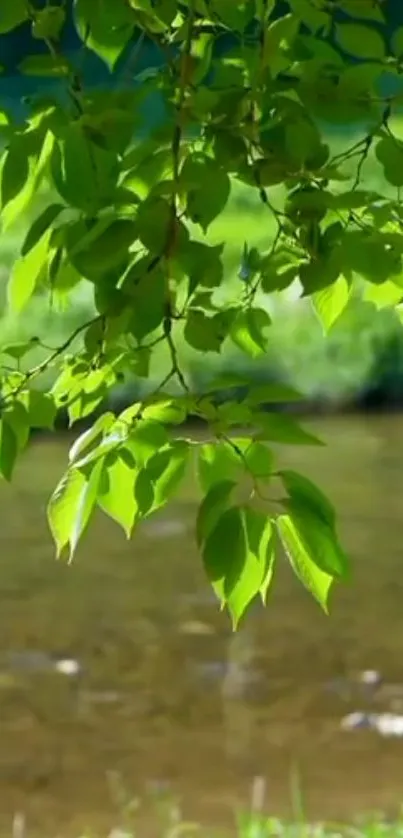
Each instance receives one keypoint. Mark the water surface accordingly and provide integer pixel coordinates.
(119, 677)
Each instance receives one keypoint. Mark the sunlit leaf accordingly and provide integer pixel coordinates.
(249, 331)
(329, 303)
(217, 462)
(116, 489)
(317, 581)
(215, 502)
(68, 510)
(25, 274)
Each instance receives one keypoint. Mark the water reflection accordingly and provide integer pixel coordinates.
(123, 663)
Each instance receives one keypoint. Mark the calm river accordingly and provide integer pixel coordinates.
(119, 678)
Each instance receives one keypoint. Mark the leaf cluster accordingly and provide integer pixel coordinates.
(249, 89)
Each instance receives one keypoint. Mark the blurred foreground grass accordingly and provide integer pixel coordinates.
(363, 352)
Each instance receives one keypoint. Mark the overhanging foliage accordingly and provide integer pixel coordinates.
(252, 90)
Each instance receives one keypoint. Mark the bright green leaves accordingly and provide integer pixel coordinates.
(22, 169)
(27, 271)
(317, 581)
(71, 506)
(40, 226)
(360, 41)
(245, 91)
(238, 540)
(217, 462)
(309, 537)
(330, 302)
(127, 468)
(238, 557)
(105, 29)
(116, 489)
(250, 331)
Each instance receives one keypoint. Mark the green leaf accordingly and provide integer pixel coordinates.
(15, 170)
(168, 411)
(258, 460)
(74, 168)
(148, 437)
(202, 264)
(69, 509)
(201, 332)
(329, 303)
(364, 9)
(249, 331)
(217, 462)
(312, 17)
(106, 247)
(283, 429)
(271, 394)
(389, 152)
(154, 223)
(116, 495)
(236, 14)
(372, 255)
(16, 416)
(40, 226)
(397, 42)
(26, 273)
(382, 296)
(261, 556)
(48, 23)
(8, 448)
(104, 29)
(54, 66)
(238, 558)
(12, 15)
(85, 506)
(41, 410)
(38, 161)
(360, 41)
(215, 502)
(207, 188)
(146, 287)
(257, 570)
(91, 437)
(318, 535)
(224, 553)
(302, 140)
(166, 471)
(304, 493)
(317, 581)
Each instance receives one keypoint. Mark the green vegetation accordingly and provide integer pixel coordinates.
(282, 102)
(327, 368)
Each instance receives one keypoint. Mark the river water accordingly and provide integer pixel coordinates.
(119, 677)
